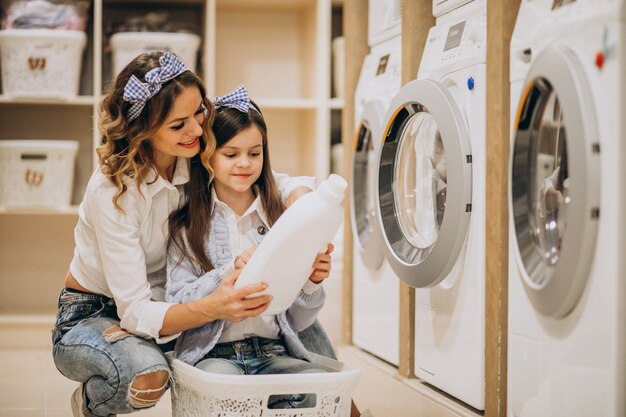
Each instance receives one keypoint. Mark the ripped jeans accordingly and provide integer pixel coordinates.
(89, 347)
(108, 364)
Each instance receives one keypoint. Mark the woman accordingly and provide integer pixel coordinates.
(112, 323)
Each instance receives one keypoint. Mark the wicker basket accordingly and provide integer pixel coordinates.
(196, 393)
(127, 45)
(41, 62)
(37, 173)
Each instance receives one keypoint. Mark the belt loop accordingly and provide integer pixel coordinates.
(257, 348)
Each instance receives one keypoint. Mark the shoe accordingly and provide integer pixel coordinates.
(78, 402)
(79, 409)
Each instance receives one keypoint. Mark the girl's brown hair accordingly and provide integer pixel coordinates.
(194, 217)
(125, 150)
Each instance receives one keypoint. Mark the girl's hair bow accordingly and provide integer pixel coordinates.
(236, 99)
(139, 93)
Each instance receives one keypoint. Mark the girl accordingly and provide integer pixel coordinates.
(112, 316)
(228, 216)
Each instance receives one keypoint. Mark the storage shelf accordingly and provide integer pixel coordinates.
(286, 103)
(279, 49)
(336, 103)
(263, 5)
(77, 101)
(30, 211)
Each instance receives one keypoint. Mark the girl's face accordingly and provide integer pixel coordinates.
(238, 163)
(180, 133)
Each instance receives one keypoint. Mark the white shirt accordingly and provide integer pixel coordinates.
(243, 233)
(123, 255)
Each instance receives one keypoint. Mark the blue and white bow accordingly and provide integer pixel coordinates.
(236, 99)
(138, 93)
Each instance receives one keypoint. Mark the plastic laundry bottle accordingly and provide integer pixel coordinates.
(284, 259)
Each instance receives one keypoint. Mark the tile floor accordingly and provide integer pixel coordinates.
(32, 386)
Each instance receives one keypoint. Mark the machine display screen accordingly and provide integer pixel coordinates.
(382, 64)
(455, 33)
(559, 3)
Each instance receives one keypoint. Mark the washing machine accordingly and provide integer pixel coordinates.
(441, 7)
(431, 201)
(384, 21)
(567, 272)
(376, 293)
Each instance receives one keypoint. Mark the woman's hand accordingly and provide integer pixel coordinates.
(230, 303)
(296, 194)
(321, 265)
(243, 259)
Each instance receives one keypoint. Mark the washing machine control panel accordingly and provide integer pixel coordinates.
(380, 74)
(459, 43)
(461, 38)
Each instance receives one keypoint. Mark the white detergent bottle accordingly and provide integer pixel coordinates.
(284, 259)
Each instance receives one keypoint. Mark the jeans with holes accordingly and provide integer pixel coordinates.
(108, 368)
(82, 353)
(260, 356)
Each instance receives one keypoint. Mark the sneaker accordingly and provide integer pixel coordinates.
(77, 401)
(79, 409)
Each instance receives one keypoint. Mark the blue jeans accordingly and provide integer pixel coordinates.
(108, 367)
(257, 356)
(86, 350)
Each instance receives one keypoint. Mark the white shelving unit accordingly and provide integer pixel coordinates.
(279, 49)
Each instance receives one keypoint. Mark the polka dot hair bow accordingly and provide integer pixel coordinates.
(139, 93)
(236, 99)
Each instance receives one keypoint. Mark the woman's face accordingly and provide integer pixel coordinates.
(238, 163)
(180, 134)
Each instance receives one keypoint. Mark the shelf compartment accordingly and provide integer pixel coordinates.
(270, 50)
(291, 137)
(46, 247)
(116, 12)
(53, 122)
(87, 101)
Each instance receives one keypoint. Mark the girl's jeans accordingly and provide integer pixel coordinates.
(89, 347)
(257, 356)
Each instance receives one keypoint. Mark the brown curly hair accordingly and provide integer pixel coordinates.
(125, 150)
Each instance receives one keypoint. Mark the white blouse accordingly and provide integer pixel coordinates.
(245, 232)
(122, 255)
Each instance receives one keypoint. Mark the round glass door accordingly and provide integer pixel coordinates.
(554, 182)
(421, 175)
(424, 183)
(363, 207)
(365, 226)
(541, 194)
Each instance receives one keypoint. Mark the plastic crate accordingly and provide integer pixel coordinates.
(37, 173)
(127, 45)
(41, 62)
(196, 393)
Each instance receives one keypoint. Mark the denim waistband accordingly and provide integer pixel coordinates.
(72, 295)
(247, 345)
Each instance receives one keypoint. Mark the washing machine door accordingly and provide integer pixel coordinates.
(365, 226)
(424, 183)
(554, 183)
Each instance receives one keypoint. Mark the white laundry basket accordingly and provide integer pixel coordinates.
(37, 173)
(196, 393)
(41, 62)
(127, 45)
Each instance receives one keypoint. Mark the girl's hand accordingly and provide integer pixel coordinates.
(321, 265)
(243, 259)
(230, 303)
